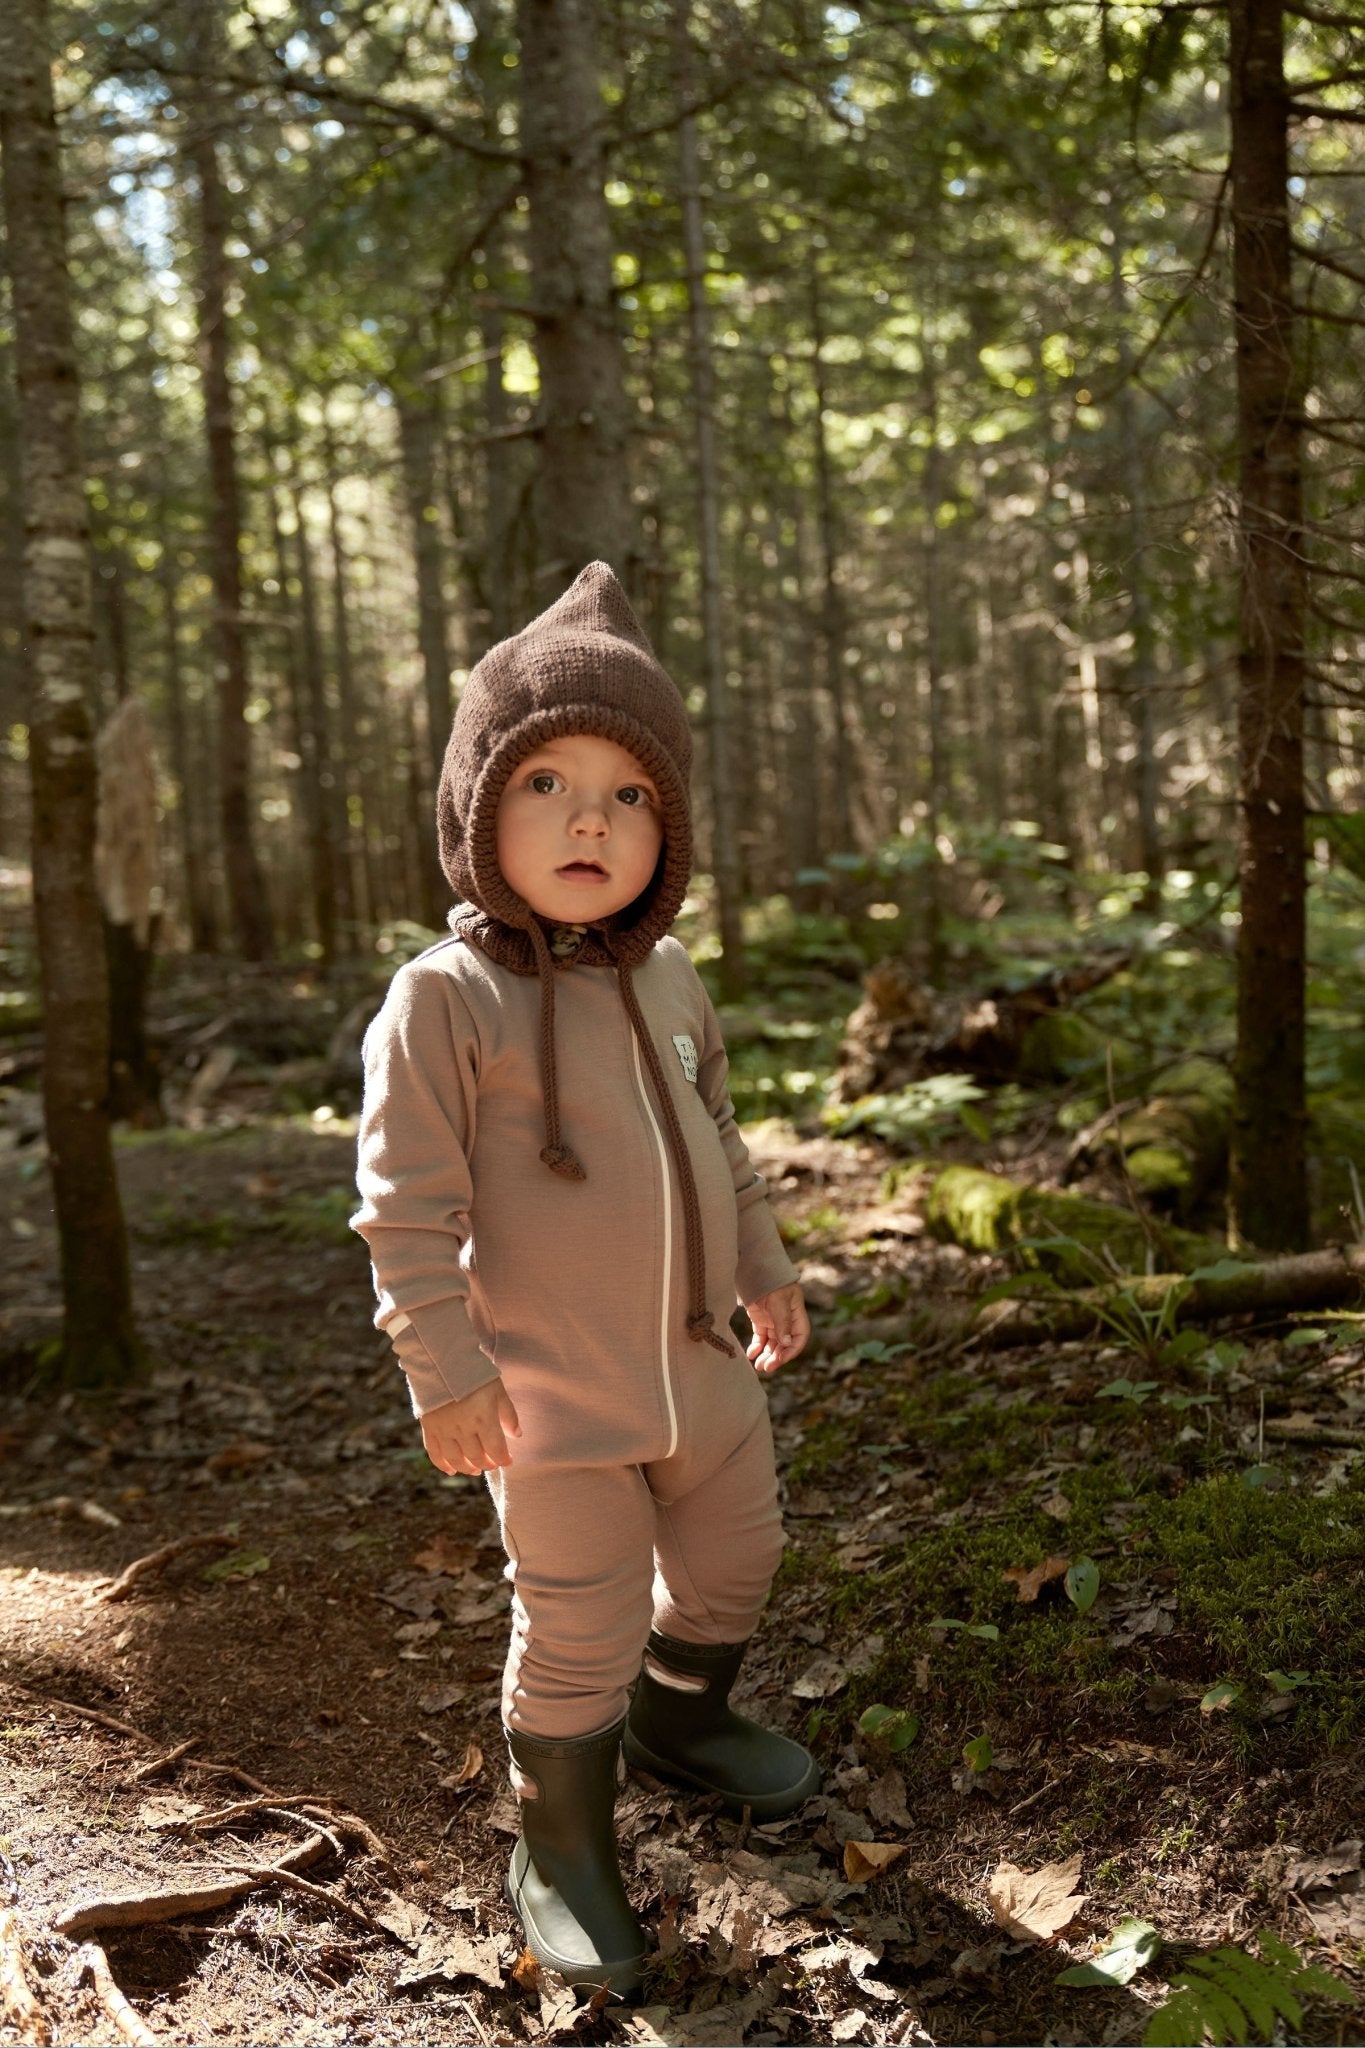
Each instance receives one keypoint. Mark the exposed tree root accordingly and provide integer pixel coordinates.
(17, 2001)
(95, 1964)
(155, 1765)
(143, 1909)
(141, 1567)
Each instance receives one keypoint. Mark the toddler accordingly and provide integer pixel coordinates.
(561, 1214)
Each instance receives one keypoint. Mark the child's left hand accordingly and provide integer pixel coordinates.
(781, 1327)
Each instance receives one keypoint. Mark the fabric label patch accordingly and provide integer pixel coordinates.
(687, 1053)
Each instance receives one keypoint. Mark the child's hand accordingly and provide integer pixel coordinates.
(471, 1435)
(781, 1327)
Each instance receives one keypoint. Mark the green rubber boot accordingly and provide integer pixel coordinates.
(564, 1879)
(681, 1726)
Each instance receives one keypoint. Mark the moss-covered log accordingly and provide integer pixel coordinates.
(1176, 1145)
(1306, 1282)
(985, 1212)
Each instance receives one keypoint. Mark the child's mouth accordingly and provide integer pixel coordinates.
(582, 871)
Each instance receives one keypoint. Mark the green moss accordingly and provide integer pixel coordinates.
(988, 1213)
(1275, 1582)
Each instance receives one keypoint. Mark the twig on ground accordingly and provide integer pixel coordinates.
(157, 1764)
(140, 1567)
(95, 1963)
(283, 1813)
(143, 1909)
(350, 1827)
(81, 1713)
(233, 1771)
(17, 2001)
(474, 2021)
(64, 1504)
(273, 1873)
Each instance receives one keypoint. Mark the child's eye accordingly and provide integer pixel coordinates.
(543, 784)
(633, 794)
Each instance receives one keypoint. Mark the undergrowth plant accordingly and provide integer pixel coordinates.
(1230, 1996)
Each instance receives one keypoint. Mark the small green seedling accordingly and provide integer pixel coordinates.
(1082, 1584)
(894, 1728)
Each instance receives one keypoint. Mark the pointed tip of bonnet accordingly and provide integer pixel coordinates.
(596, 602)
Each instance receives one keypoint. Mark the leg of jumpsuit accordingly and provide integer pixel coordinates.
(580, 1544)
(717, 1540)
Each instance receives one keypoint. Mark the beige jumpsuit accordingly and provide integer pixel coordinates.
(641, 1491)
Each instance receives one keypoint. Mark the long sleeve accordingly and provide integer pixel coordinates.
(763, 1262)
(416, 1132)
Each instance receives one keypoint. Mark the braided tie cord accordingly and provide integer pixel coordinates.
(558, 1156)
(699, 1318)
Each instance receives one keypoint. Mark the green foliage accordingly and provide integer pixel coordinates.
(1231, 1996)
(1132, 1945)
(914, 1115)
(893, 1728)
(1082, 1584)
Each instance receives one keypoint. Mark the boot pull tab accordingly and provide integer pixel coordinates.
(678, 1681)
(523, 1784)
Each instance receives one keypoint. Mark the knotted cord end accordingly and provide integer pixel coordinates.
(562, 1161)
(700, 1331)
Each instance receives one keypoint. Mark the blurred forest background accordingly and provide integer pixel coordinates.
(969, 395)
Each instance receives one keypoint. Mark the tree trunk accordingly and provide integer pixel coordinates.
(833, 617)
(418, 428)
(332, 879)
(725, 860)
(191, 811)
(584, 509)
(1269, 1176)
(246, 884)
(353, 765)
(99, 1344)
(936, 790)
(1141, 679)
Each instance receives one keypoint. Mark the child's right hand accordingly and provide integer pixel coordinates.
(471, 1435)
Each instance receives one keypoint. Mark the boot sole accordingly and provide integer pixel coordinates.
(625, 1977)
(762, 1805)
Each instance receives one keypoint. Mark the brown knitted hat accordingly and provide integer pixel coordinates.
(584, 666)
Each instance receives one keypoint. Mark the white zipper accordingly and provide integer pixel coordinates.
(668, 1243)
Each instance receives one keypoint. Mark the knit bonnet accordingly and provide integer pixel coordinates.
(583, 666)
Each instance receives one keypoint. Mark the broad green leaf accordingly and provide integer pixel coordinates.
(894, 1727)
(1219, 1696)
(1298, 1338)
(1127, 1390)
(1221, 1269)
(1082, 1584)
(1132, 1945)
(243, 1564)
(1288, 1681)
(986, 1630)
(1258, 1475)
(1184, 1344)
(978, 1753)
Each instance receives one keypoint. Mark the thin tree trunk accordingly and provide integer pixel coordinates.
(352, 767)
(936, 793)
(99, 1344)
(725, 860)
(331, 876)
(246, 884)
(1141, 681)
(191, 812)
(1269, 1187)
(833, 620)
(802, 750)
(305, 793)
(418, 428)
(584, 510)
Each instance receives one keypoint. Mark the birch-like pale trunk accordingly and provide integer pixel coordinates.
(99, 1344)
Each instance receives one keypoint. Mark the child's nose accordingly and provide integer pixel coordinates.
(590, 819)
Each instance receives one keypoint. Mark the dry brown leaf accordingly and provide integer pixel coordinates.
(526, 1970)
(1035, 1905)
(1029, 1580)
(866, 1860)
(1057, 1506)
(886, 1800)
(443, 1554)
(1315, 1873)
(468, 1771)
(822, 1677)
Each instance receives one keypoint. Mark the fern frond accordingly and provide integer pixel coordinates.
(1235, 1997)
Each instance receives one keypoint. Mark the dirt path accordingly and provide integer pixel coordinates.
(340, 1647)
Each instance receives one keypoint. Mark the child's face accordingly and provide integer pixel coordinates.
(579, 829)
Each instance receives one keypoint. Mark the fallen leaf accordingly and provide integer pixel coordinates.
(447, 1954)
(1082, 1584)
(978, 1962)
(443, 1554)
(417, 1631)
(1057, 1506)
(442, 1701)
(167, 1809)
(852, 2027)
(866, 1860)
(257, 1185)
(1033, 1905)
(1029, 1580)
(834, 1953)
(243, 1564)
(886, 1801)
(238, 1457)
(468, 1771)
(526, 1970)
(1220, 1697)
(402, 1919)
(1130, 1948)
(1314, 1873)
(821, 1679)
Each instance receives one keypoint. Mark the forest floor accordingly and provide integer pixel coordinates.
(323, 1666)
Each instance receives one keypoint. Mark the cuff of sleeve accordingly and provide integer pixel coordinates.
(438, 1351)
(763, 1261)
